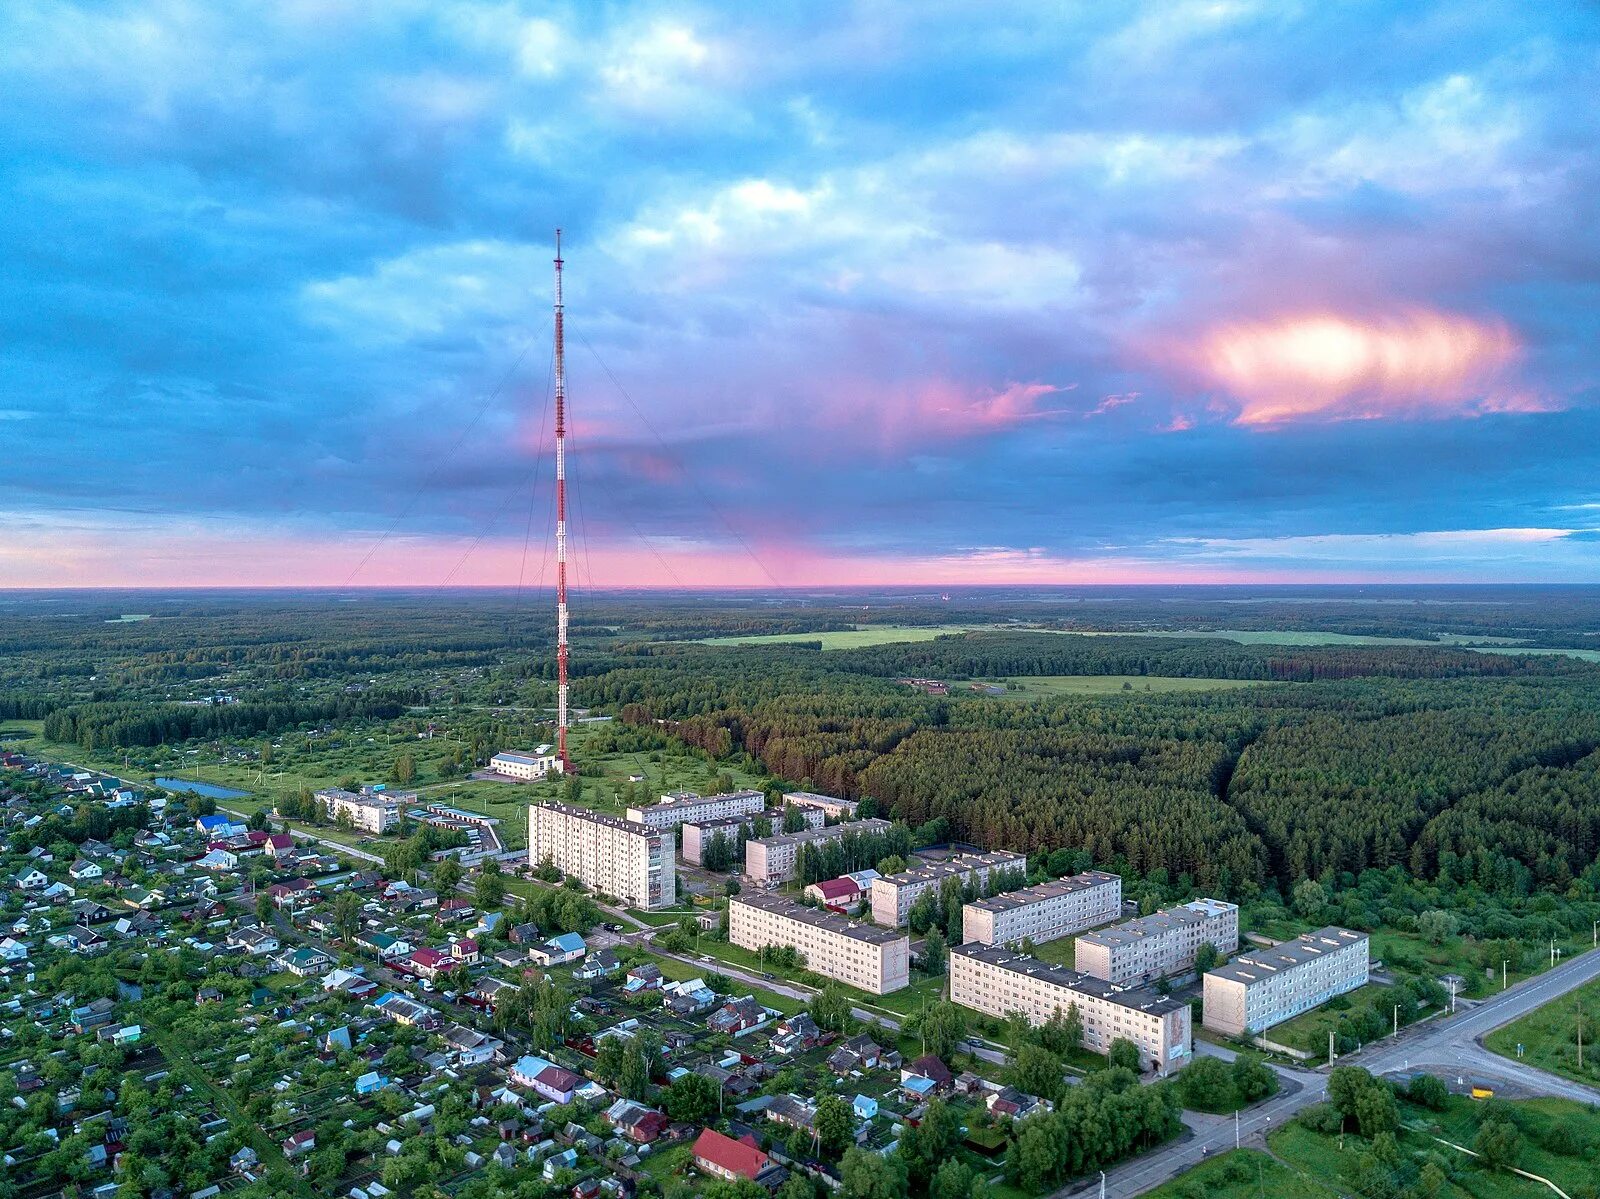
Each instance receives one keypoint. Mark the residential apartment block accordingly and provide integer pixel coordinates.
(695, 835)
(862, 955)
(1045, 912)
(769, 860)
(831, 808)
(1151, 947)
(536, 764)
(1267, 986)
(680, 806)
(893, 895)
(994, 980)
(372, 809)
(615, 856)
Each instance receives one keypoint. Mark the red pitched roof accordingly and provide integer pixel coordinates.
(741, 1157)
(838, 888)
(431, 958)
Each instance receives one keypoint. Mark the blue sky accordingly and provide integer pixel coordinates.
(886, 292)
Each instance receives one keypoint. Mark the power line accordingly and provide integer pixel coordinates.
(441, 464)
(693, 482)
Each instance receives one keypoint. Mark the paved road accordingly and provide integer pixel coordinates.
(1448, 1046)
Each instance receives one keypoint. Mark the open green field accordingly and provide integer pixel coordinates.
(1336, 1161)
(1549, 1035)
(1309, 1030)
(368, 756)
(1243, 1174)
(1034, 687)
(862, 635)
(904, 1002)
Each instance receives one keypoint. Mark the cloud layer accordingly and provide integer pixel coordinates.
(892, 292)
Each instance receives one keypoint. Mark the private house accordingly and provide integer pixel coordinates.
(545, 1078)
(464, 951)
(737, 1016)
(635, 1121)
(557, 951)
(386, 946)
(84, 871)
(306, 961)
(598, 964)
(30, 879)
(294, 891)
(644, 977)
(406, 1011)
(723, 1157)
(254, 941)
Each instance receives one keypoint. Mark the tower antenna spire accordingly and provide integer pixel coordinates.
(561, 522)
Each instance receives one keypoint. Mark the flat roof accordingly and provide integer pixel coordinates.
(1140, 999)
(1264, 963)
(689, 799)
(1044, 892)
(616, 822)
(872, 934)
(961, 864)
(373, 799)
(517, 755)
(816, 799)
(720, 822)
(827, 832)
(1156, 923)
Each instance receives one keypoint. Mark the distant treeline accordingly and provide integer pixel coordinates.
(995, 655)
(99, 726)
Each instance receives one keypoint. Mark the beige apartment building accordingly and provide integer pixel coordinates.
(1050, 910)
(1268, 986)
(680, 806)
(1151, 947)
(862, 955)
(996, 981)
(831, 808)
(611, 855)
(371, 810)
(771, 860)
(893, 895)
(695, 835)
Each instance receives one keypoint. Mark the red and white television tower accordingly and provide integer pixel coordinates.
(561, 523)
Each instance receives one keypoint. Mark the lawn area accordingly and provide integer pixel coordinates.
(1337, 1162)
(1548, 1035)
(1309, 1030)
(904, 1002)
(1242, 1174)
(1038, 686)
(861, 635)
(1062, 952)
(675, 971)
(1536, 1117)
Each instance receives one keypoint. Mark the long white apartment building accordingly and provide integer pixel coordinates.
(372, 809)
(996, 981)
(862, 955)
(679, 806)
(1151, 947)
(1050, 910)
(770, 860)
(615, 856)
(893, 894)
(1268, 986)
(695, 835)
(830, 807)
(530, 765)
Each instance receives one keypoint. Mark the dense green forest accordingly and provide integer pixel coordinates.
(1461, 767)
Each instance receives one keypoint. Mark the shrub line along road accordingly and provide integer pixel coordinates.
(1449, 1046)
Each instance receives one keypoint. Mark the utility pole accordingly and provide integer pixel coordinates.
(1396, 1020)
(561, 520)
(1452, 997)
(1330, 1047)
(1235, 1128)
(1503, 963)
(1102, 1184)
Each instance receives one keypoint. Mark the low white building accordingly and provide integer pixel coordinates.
(372, 809)
(530, 766)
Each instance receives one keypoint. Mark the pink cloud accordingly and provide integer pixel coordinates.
(1326, 366)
